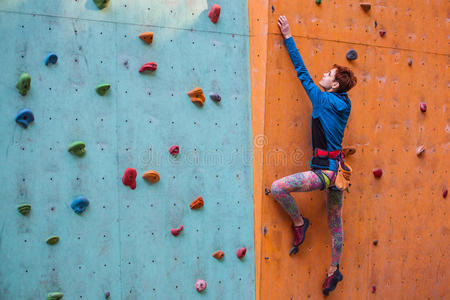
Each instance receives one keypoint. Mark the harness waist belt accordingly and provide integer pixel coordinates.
(326, 154)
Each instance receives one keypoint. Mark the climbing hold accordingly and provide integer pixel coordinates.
(24, 83)
(265, 230)
(351, 54)
(77, 148)
(346, 151)
(101, 4)
(51, 59)
(267, 191)
(423, 107)
(197, 203)
(101, 89)
(151, 66)
(214, 13)
(215, 97)
(174, 150)
(318, 2)
(146, 37)
(365, 6)
(273, 9)
(410, 62)
(197, 96)
(24, 209)
(24, 117)
(444, 193)
(420, 149)
(200, 285)
(374, 288)
(375, 242)
(241, 252)
(176, 231)
(107, 294)
(151, 176)
(129, 178)
(382, 33)
(219, 254)
(55, 296)
(377, 173)
(52, 240)
(376, 23)
(80, 204)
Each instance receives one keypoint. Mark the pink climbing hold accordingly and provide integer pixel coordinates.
(174, 150)
(151, 66)
(200, 285)
(129, 178)
(241, 252)
(382, 33)
(377, 173)
(214, 13)
(176, 231)
(423, 107)
(374, 288)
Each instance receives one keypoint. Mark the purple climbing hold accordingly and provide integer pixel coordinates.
(351, 54)
(25, 117)
(215, 97)
(80, 204)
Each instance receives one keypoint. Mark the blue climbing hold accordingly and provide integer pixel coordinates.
(51, 58)
(80, 204)
(25, 117)
(351, 54)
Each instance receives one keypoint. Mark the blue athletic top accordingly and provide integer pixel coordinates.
(329, 115)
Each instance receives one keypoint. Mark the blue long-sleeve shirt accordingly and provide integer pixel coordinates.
(329, 115)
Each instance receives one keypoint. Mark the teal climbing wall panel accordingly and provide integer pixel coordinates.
(122, 242)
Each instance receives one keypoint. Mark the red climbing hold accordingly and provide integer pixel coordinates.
(151, 66)
(174, 150)
(214, 13)
(377, 173)
(444, 193)
(129, 178)
(382, 33)
(241, 252)
(374, 288)
(197, 203)
(423, 107)
(176, 231)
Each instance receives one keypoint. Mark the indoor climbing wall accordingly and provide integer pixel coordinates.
(121, 246)
(396, 229)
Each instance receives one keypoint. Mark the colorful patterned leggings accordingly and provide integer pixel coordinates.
(309, 181)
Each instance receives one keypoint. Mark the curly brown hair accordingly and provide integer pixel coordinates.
(345, 77)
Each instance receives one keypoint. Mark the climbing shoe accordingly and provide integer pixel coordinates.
(331, 282)
(299, 235)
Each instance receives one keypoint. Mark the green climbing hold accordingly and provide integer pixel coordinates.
(24, 83)
(101, 4)
(24, 209)
(101, 89)
(77, 148)
(318, 1)
(53, 240)
(55, 296)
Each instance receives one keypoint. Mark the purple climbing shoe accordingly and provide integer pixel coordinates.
(331, 282)
(299, 235)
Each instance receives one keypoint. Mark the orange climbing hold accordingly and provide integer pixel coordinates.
(197, 203)
(365, 6)
(219, 254)
(151, 176)
(197, 96)
(146, 37)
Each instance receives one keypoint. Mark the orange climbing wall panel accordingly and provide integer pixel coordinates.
(404, 210)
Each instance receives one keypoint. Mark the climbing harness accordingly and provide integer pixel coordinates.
(341, 176)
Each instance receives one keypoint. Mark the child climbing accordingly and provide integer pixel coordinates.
(331, 110)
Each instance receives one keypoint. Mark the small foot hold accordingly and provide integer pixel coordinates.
(80, 204)
(267, 191)
(214, 13)
(444, 193)
(129, 178)
(174, 150)
(423, 107)
(241, 252)
(107, 295)
(146, 37)
(346, 151)
(24, 117)
(200, 285)
(55, 296)
(151, 176)
(24, 209)
(215, 97)
(377, 173)
(101, 89)
(219, 254)
(318, 2)
(77, 148)
(24, 83)
(293, 250)
(197, 203)
(365, 6)
(382, 33)
(176, 231)
(420, 149)
(52, 58)
(101, 4)
(351, 54)
(197, 96)
(150, 66)
(53, 240)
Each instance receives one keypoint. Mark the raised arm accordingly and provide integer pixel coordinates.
(313, 91)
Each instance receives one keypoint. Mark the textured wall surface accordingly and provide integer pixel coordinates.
(122, 242)
(404, 210)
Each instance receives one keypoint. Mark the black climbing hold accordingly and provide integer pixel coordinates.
(318, 2)
(25, 117)
(293, 250)
(265, 230)
(376, 23)
(273, 9)
(24, 209)
(267, 191)
(55, 296)
(375, 242)
(215, 97)
(351, 54)
(51, 59)
(79, 204)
